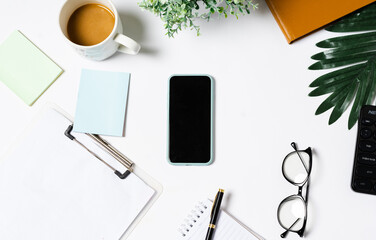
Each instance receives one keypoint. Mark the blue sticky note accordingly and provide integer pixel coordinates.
(102, 102)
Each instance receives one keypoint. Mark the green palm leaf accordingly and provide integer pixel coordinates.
(355, 56)
(347, 40)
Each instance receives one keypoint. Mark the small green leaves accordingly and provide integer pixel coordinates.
(180, 14)
(355, 81)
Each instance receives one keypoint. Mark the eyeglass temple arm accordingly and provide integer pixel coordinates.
(301, 159)
(301, 231)
(283, 235)
(307, 192)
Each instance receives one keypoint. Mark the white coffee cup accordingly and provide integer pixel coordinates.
(116, 41)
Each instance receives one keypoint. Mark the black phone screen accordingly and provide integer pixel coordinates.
(190, 119)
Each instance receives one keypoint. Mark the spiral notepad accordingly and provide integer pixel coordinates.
(196, 225)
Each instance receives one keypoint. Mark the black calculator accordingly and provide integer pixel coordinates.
(364, 170)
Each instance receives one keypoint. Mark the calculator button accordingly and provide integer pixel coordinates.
(367, 146)
(367, 121)
(371, 111)
(369, 159)
(365, 133)
(363, 184)
(366, 171)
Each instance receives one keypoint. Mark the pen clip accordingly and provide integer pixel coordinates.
(215, 199)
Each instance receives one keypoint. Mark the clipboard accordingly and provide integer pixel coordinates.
(28, 179)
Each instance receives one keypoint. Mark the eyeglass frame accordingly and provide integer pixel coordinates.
(300, 186)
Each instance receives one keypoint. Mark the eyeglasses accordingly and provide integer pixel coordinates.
(292, 211)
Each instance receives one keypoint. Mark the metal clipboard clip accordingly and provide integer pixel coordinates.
(110, 149)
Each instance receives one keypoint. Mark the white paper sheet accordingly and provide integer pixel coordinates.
(52, 188)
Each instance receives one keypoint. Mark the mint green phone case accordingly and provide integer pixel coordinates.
(211, 123)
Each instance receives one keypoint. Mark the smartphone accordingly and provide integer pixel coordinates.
(190, 120)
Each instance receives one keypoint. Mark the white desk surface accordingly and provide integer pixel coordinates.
(261, 106)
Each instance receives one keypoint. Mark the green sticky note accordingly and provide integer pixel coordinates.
(25, 69)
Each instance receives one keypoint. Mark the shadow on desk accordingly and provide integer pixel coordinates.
(134, 28)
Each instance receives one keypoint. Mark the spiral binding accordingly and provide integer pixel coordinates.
(191, 220)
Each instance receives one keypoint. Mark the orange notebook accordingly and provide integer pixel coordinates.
(297, 18)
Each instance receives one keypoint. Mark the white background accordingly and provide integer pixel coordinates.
(261, 106)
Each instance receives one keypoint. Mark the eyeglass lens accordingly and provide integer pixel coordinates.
(292, 212)
(296, 167)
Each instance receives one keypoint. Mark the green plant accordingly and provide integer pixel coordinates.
(179, 14)
(355, 81)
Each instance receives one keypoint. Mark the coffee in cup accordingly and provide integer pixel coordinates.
(90, 24)
(94, 29)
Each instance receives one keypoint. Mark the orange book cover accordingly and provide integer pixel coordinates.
(297, 18)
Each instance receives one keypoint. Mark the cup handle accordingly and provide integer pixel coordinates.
(127, 45)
